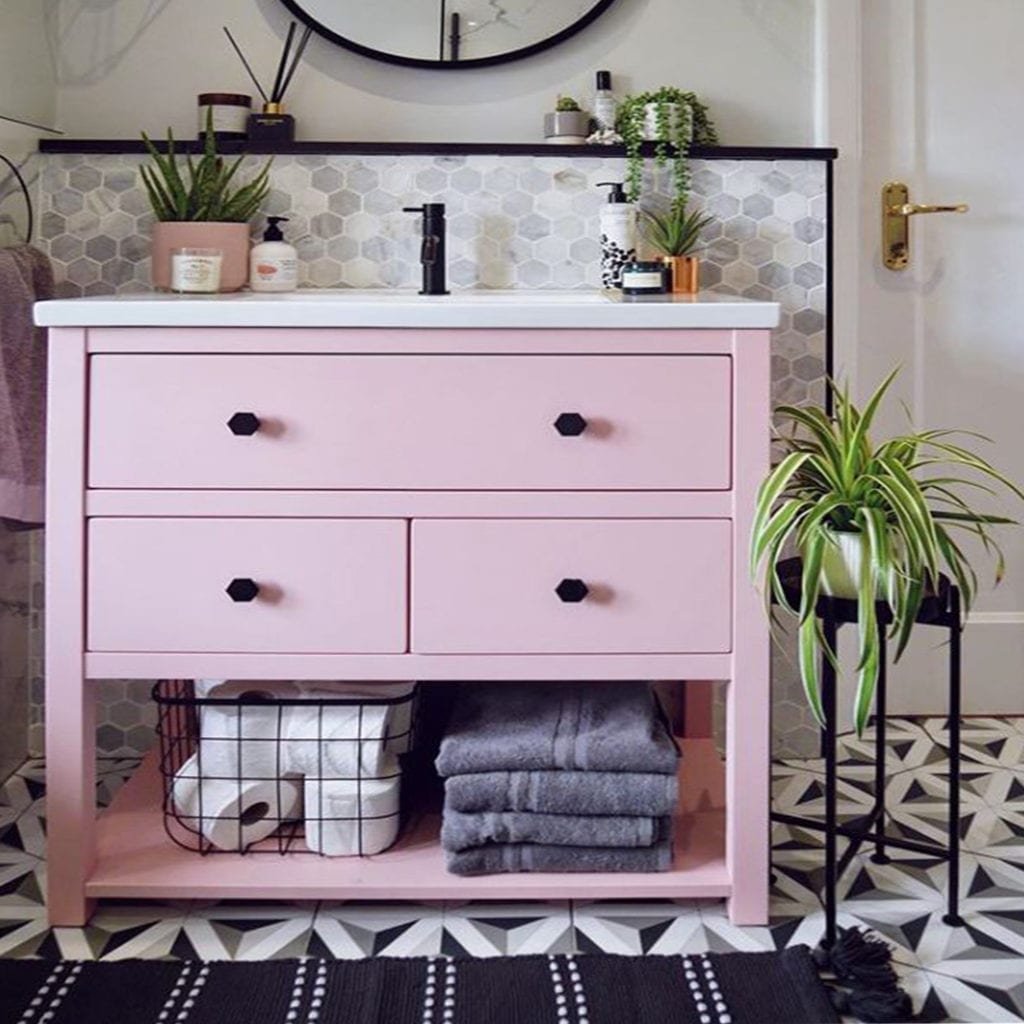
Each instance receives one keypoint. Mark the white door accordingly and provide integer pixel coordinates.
(932, 96)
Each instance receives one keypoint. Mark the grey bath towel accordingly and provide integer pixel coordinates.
(463, 831)
(25, 277)
(515, 857)
(605, 726)
(564, 792)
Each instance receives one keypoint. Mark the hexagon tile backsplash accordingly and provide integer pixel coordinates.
(514, 222)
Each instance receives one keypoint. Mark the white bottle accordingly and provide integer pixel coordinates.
(618, 234)
(273, 264)
(605, 104)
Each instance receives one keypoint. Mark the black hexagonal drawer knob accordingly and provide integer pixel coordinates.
(570, 424)
(243, 589)
(244, 424)
(572, 591)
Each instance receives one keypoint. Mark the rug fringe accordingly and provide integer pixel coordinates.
(862, 963)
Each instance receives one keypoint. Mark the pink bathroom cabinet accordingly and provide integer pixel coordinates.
(407, 506)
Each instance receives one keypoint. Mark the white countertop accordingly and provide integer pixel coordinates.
(384, 307)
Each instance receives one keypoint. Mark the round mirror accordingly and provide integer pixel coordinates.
(447, 33)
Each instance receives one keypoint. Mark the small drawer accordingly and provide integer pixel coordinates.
(410, 422)
(261, 585)
(571, 586)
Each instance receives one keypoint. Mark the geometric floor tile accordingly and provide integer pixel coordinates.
(973, 973)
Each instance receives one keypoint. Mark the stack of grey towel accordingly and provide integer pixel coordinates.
(557, 777)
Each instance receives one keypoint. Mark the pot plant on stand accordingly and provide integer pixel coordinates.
(673, 120)
(201, 208)
(675, 235)
(871, 522)
(569, 123)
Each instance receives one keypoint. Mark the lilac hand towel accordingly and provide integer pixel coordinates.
(25, 277)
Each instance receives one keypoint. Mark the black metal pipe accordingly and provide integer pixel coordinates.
(952, 916)
(879, 856)
(828, 696)
(455, 39)
(851, 832)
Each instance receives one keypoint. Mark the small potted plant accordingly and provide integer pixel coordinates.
(870, 522)
(201, 207)
(675, 235)
(569, 123)
(673, 120)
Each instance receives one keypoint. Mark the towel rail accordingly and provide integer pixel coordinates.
(30, 226)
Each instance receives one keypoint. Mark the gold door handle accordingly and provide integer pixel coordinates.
(896, 211)
(909, 209)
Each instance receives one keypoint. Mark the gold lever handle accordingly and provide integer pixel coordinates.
(896, 211)
(909, 209)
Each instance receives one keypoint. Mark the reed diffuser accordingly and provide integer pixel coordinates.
(272, 124)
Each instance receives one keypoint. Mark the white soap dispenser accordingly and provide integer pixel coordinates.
(618, 234)
(273, 264)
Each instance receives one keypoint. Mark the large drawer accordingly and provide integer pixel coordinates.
(571, 586)
(410, 422)
(324, 586)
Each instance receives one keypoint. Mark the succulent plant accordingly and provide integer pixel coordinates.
(565, 104)
(207, 195)
(673, 231)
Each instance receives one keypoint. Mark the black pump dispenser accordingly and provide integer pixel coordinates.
(273, 232)
(618, 191)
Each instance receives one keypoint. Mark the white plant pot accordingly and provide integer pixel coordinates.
(840, 565)
(676, 112)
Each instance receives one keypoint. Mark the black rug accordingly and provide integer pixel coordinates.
(716, 988)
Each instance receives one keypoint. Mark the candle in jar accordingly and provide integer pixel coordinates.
(196, 270)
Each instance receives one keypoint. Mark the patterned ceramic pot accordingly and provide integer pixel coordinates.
(231, 239)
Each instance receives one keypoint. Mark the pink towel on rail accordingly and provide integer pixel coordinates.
(25, 277)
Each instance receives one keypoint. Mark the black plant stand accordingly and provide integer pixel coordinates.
(941, 608)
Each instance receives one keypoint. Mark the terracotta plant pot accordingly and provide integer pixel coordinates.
(685, 271)
(231, 239)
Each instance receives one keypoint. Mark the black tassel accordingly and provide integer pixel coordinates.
(861, 960)
(892, 1006)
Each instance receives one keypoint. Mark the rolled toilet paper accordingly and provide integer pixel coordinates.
(243, 740)
(338, 742)
(345, 819)
(398, 721)
(234, 813)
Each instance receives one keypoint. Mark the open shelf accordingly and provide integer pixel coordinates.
(136, 859)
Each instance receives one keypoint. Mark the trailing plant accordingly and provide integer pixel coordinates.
(905, 497)
(673, 231)
(674, 137)
(565, 104)
(207, 194)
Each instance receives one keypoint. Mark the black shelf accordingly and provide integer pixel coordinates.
(111, 146)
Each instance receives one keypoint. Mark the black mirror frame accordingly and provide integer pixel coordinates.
(600, 6)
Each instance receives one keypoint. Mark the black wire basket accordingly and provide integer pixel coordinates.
(248, 771)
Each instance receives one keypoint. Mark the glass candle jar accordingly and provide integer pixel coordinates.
(196, 270)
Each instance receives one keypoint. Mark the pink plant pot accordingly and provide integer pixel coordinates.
(231, 239)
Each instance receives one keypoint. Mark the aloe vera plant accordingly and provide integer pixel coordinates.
(905, 496)
(207, 194)
(673, 232)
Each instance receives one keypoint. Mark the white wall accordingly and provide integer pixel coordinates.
(27, 85)
(132, 64)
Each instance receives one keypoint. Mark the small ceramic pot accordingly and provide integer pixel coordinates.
(675, 112)
(566, 126)
(231, 239)
(684, 272)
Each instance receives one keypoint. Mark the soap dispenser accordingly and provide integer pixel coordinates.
(273, 264)
(618, 234)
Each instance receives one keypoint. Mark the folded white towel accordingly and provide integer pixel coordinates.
(345, 819)
(234, 814)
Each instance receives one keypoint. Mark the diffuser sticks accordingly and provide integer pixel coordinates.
(273, 125)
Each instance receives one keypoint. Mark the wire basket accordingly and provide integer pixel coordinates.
(249, 771)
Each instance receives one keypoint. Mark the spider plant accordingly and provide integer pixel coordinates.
(208, 194)
(906, 498)
(673, 232)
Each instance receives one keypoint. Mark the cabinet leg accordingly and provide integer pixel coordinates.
(828, 700)
(880, 856)
(70, 800)
(952, 916)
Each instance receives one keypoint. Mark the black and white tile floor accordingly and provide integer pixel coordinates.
(974, 973)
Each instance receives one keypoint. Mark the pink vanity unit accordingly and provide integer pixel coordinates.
(409, 481)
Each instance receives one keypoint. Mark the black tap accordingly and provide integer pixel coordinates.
(432, 252)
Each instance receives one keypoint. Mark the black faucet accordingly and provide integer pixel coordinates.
(432, 252)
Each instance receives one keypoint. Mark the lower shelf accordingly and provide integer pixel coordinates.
(135, 859)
